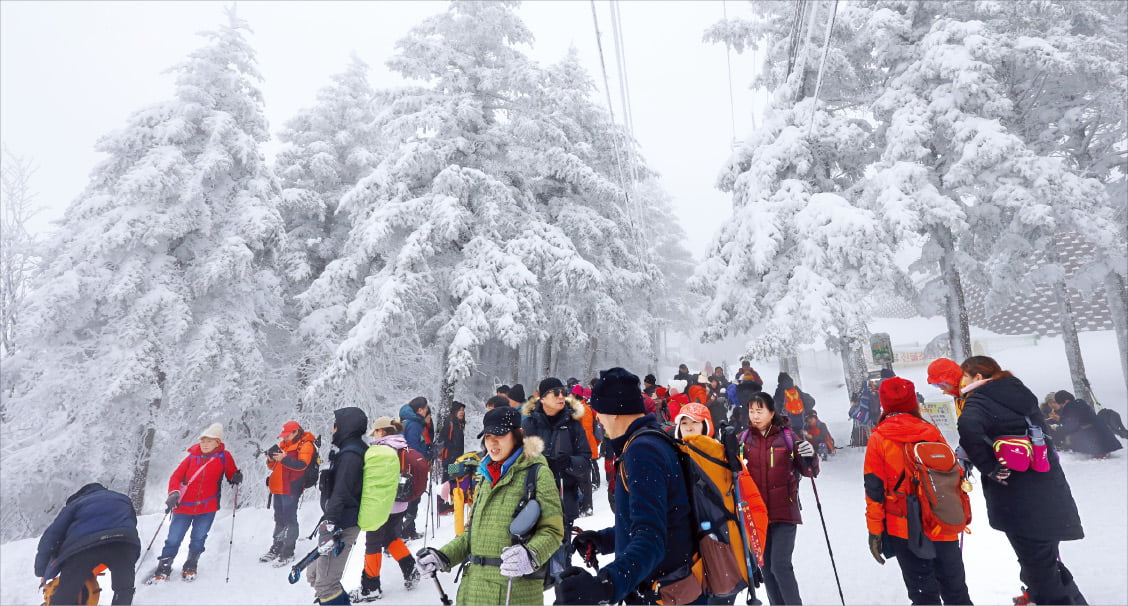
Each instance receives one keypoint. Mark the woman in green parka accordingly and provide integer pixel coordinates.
(492, 557)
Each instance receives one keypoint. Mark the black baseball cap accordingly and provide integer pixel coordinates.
(500, 421)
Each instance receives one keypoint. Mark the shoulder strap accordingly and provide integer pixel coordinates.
(198, 472)
(789, 439)
(643, 432)
(530, 488)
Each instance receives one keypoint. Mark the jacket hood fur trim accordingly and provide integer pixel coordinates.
(534, 446)
(575, 405)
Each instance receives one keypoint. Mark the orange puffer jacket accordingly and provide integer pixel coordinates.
(885, 467)
(588, 421)
(290, 469)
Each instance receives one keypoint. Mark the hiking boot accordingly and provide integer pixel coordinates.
(360, 595)
(411, 574)
(188, 571)
(412, 535)
(163, 571)
(283, 560)
(272, 554)
(1024, 599)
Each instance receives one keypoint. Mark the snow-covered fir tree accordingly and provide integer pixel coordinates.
(328, 148)
(796, 260)
(150, 312)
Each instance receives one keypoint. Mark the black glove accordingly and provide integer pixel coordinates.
(172, 501)
(875, 548)
(576, 586)
(1000, 474)
(587, 545)
(236, 477)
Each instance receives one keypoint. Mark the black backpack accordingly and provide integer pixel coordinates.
(313, 470)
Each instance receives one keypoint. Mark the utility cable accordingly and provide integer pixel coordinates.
(822, 65)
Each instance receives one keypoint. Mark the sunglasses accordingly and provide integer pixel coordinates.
(557, 391)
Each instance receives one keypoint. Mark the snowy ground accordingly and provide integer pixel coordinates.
(1099, 562)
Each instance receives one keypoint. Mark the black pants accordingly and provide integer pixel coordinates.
(285, 524)
(409, 516)
(1047, 579)
(779, 573)
(118, 557)
(936, 581)
(585, 485)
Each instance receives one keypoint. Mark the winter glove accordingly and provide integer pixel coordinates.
(328, 538)
(172, 501)
(587, 545)
(1000, 474)
(517, 561)
(236, 477)
(430, 560)
(875, 548)
(576, 586)
(805, 449)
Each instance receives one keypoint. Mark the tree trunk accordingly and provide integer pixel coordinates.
(589, 372)
(140, 478)
(955, 308)
(546, 360)
(790, 364)
(1072, 343)
(514, 365)
(1118, 306)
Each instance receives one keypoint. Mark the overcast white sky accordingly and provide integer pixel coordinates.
(73, 71)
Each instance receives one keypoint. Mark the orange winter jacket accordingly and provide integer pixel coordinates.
(290, 469)
(885, 467)
(588, 421)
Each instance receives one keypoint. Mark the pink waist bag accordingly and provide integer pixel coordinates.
(1020, 453)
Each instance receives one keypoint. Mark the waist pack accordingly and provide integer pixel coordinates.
(1021, 453)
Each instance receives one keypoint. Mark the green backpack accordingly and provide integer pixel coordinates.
(378, 489)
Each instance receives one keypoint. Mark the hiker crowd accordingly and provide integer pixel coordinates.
(703, 478)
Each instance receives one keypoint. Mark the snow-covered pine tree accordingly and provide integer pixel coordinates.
(796, 258)
(953, 171)
(18, 254)
(328, 148)
(440, 230)
(1068, 81)
(150, 311)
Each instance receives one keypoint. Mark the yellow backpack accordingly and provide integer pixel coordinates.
(89, 594)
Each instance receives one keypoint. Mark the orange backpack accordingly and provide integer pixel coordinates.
(936, 479)
(792, 401)
(89, 594)
(719, 567)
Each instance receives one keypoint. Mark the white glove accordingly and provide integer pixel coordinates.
(429, 561)
(805, 449)
(327, 537)
(516, 561)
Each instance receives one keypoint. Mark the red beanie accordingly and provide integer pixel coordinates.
(897, 395)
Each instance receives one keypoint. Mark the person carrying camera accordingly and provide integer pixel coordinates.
(287, 462)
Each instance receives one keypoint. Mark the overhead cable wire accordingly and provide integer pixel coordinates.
(822, 65)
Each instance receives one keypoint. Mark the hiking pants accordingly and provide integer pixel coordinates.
(930, 581)
(409, 516)
(586, 490)
(779, 574)
(1045, 576)
(387, 537)
(285, 523)
(120, 558)
(324, 574)
(200, 523)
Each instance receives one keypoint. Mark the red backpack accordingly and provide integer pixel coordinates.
(935, 478)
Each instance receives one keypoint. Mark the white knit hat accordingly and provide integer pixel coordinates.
(215, 430)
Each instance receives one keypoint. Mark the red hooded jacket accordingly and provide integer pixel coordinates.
(201, 495)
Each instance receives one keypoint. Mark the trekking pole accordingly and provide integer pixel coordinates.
(827, 535)
(231, 540)
(442, 594)
(142, 558)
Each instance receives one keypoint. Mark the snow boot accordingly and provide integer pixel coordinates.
(162, 573)
(188, 571)
(411, 574)
(283, 560)
(270, 555)
(368, 591)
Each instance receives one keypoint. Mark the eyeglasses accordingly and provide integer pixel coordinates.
(558, 391)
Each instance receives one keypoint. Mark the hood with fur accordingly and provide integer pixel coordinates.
(570, 403)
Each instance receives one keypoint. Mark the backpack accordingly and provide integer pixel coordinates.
(377, 492)
(413, 475)
(792, 401)
(88, 594)
(934, 484)
(313, 470)
(719, 560)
